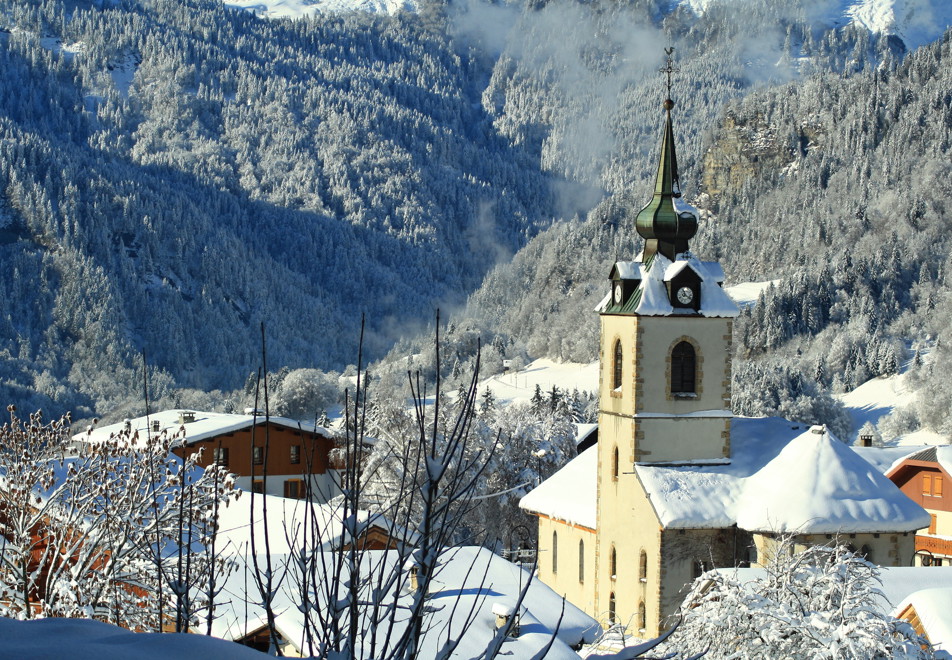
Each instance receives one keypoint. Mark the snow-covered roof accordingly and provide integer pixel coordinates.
(781, 477)
(205, 425)
(628, 270)
(87, 639)
(286, 519)
(932, 606)
(651, 297)
(467, 580)
(942, 456)
(818, 485)
(569, 494)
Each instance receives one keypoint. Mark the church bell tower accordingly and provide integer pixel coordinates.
(664, 385)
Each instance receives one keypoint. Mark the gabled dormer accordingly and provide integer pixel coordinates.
(683, 284)
(625, 280)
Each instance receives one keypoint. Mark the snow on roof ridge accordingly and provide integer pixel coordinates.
(839, 492)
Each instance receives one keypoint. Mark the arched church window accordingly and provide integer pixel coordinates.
(615, 464)
(683, 369)
(581, 560)
(611, 607)
(616, 365)
(613, 562)
(643, 566)
(642, 616)
(555, 552)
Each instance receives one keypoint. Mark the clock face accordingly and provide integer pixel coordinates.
(618, 293)
(685, 295)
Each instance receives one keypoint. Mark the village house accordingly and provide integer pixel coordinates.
(675, 485)
(272, 455)
(924, 478)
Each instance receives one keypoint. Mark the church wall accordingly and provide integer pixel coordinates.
(564, 580)
(885, 549)
(687, 554)
(628, 523)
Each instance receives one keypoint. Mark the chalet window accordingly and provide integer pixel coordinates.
(611, 607)
(257, 486)
(221, 456)
(294, 489)
(616, 366)
(613, 563)
(581, 560)
(555, 552)
(866, 552)
(295, 454)
(643, 567)
(932, 485)
(257, 455)
(615, 464)
(683, 369)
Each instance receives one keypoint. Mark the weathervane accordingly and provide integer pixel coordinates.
(668, 67)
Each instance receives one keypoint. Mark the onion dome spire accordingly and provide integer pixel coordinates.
(665, 228)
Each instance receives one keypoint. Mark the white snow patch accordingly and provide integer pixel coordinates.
(519, 386)
(746, 294)
(879, 397)
(69, 51)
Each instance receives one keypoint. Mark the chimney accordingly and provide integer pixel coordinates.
(186, 417)
(156, 426)
(865, 441)
(506, 617)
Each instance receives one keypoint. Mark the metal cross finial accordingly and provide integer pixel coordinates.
(669, 68)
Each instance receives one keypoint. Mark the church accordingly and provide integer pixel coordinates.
(675, 484)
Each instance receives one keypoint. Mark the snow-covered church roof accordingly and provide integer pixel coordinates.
(781, 477)
(836, 491)
(569, 494)
(650, 298)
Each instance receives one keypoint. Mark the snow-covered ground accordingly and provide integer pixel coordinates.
(745, 294)
(880, 396)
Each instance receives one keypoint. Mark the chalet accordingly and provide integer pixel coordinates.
(925, 478)
(675, 485)
(272, 455)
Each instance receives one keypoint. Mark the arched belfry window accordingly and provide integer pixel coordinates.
(555, 552)
(616, 365)
(611, 607)
(643, 566)
(615, 464)
(613, 562)
(683, 369)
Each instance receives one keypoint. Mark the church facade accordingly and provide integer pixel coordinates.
(675, 485)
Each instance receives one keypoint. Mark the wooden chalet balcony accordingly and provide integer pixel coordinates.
(937, 546)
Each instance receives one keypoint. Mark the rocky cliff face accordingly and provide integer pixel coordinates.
(748, 146)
